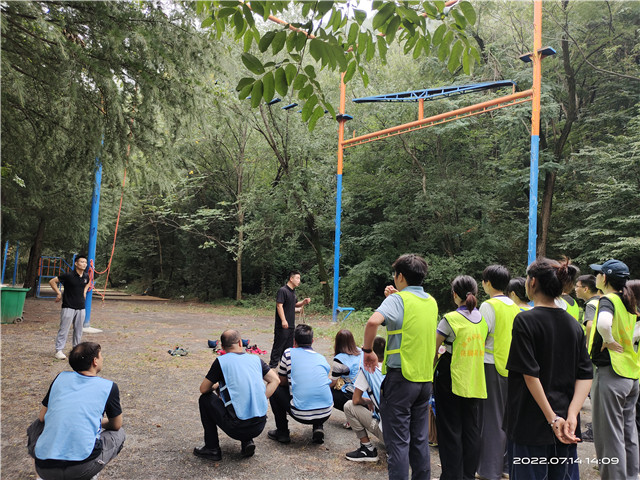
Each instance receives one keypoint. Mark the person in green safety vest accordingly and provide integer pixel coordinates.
(566, 301)
(411, 317)
(549, 380)
(499, 312)
(615, 384)
(587, 291)
(459, 383)
(516, 291)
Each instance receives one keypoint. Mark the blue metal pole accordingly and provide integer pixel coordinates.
(533, 199)
(15, 266)
(336, 253)
(93, 232)
(4, 259)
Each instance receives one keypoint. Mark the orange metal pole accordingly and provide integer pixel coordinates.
(421, 109)
(484, 106)
(537, 67)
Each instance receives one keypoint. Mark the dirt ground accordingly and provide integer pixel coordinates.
(159, 395)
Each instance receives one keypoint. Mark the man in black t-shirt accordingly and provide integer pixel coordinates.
(286, 304)
(76, 284)
(71, 442)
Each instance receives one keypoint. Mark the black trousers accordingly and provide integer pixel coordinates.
(214, 414)
(282, 339)
(281, 405)
(458, 426)
(340, 398)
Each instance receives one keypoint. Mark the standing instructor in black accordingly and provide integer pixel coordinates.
(286, 304)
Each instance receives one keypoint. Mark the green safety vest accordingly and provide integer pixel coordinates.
(417, 338)
(624, 364)
(467, 359)
(502, 333)
(573, 310)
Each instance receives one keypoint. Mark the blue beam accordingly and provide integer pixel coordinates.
(4, 259)
(533, 199)
(93, 232)
(15, 266)
(434, 93)
(336, 252)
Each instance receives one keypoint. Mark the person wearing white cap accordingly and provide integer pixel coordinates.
(615, 386)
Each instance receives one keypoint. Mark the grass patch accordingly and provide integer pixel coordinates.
(354, 322)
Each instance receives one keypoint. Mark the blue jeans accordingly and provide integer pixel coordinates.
(536, 462)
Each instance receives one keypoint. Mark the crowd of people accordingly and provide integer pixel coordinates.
(509, 377)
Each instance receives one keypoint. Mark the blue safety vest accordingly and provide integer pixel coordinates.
(309, 380)
(243, 386)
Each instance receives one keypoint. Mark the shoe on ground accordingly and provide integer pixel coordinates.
(318, 435)
(346, 426)
(248, 449)
(59, 355)
(363, 454)
(279, 436)
(214, 454)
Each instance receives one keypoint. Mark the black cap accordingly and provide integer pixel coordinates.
(612, 267)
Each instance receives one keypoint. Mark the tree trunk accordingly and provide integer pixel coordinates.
(31, 277)
(239, 256)
(545, 216)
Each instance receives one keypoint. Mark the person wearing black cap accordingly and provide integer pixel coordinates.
(615, 386)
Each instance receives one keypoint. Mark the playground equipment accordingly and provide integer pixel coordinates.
(51, 267)
(15, 263)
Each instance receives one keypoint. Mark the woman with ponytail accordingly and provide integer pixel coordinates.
(549, 380)
(615, 385)
(459, 382)
(516, 292)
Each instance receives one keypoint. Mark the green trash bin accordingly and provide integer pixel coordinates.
(12, 304)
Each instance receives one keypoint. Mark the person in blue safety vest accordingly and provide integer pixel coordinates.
(304, 391)
(234, 398)
(363, 412)
(76, 284)
(71, 442)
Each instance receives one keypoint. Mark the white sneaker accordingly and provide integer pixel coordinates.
(59, 355)
(91, 330)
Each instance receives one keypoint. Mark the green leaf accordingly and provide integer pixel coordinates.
(430, 10)
(419, 47)
(341, 57)
(410, 14)
(459, 17)
(438, 35)
(301, 41)
(439, 5)
(454, 58)
(465, 62)
(244, 82)
(382, 49)
(278, 41)
(337, 21)
(410, 43)
(468, 12)
(245, 91)
(238, 21)
(252, 63)
(268, 87)
(248, 39)
(318, 113)
(443, 50)
(281, 84)
(306, 91)
(392, 29)
(207, 22)
(299, 81)
(266, 40)
(290, 71)
(256, 94)
(360, 15)
(257, 7)
(307, 110)
(383, 15)
(291, 41)
(364, 76)
(362, 42)
(353, 34)
(323, 7)
(475, 54)
(316, 48)
(310, 71)
(248, 16)
(351, 69)
(371, 49)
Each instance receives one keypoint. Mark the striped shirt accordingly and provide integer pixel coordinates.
(284, 369)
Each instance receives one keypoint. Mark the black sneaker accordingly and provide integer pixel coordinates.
(248, 449)
(214, 454)
(279, 436)
(363, 454)
(318, 434)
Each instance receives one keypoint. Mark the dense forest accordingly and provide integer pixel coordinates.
(224, 193)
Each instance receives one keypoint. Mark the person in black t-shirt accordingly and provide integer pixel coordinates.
(549, 379)
(286, 304)
(76, 284)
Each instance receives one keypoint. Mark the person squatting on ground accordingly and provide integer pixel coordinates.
(411, 317)
(347, 361)
(76, 283)
(499, 312)
(285, 322)
(363, 412)
(304, 391)
(71, 443)
(615, 385)
(587, 292)
(549, 380)
(459, 384)
(234, 398)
